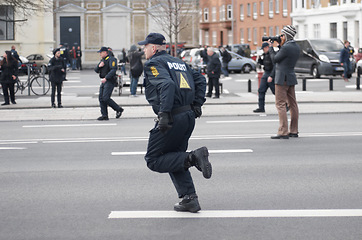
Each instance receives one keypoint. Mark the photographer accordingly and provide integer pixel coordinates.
(285, 81)
(266, 80)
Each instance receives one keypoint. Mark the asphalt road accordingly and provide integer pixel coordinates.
(62, 180)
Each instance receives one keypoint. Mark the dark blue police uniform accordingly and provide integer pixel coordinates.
(108, 71)
(172, 87)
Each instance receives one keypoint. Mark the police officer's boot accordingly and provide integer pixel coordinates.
(189, 203)
(200, 159)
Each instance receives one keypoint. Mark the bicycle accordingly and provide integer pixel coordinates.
(37, 82)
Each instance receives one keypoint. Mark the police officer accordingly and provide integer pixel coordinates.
(56, 68)
(266, 80)
(107, 68)
(176, 94)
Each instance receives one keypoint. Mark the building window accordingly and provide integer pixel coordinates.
(248, 10)
(242, 40)
(315, 3)
(277, 6)
(213, 14)
(200, 15)
(305, 30)
(255, 37)
(345, 31)
(285, 8)
(6, 22)
(214, 38)
(333, 2)
(333, 30)
(271, 12)
(249, 34)
(230, 37)
(277, 31)
(303, 4)
(206, 14)
(241, 12)
(222, 13)
(317, 30)
(230, 12)
(255, 11)
(263, 29)
(262, 8)
(271, 31)
(207, 38)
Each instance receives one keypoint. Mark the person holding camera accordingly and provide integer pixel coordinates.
(266, 80)
(285, 81)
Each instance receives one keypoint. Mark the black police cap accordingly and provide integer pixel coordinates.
(103, 49)
(154, 38)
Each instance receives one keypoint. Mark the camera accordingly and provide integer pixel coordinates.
(272, 38)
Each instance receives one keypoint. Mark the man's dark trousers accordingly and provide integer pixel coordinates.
(264, 85)
(8, 87)
(56, 86)
(166, 153)
(105, 93)
(213, 83)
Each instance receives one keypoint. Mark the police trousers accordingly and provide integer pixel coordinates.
(264, 85)
(166, 153)
(105, 100)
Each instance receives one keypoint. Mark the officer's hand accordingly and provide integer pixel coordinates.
(164, 122)
(103, 80)
(270, 79)
(101, 64)
(197, 110)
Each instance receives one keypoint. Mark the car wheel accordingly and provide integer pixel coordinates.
(315, 72)
(246, 68)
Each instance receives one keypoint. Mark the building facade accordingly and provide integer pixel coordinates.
(226, 22)
(114, 23)
(340, 19)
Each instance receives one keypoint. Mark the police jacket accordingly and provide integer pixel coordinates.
(267, 62)
(108, 71)
(344, 55)
(285, 60)
(170, 83)
(214, 66)
(55, 67)
(7, 71)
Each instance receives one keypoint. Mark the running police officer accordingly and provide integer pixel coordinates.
(107, 68)
(176, 94)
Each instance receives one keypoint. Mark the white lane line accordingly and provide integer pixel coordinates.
(71, 125)
(244, 80)
(12, 148)
(16, 142)
(244, 121)
(239, 213)
(210, 151)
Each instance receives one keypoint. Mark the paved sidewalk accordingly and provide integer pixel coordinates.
(87, 108)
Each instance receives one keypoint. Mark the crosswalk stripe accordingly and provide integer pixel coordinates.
(238, 214)
(210, 151)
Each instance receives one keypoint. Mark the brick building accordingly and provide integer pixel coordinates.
(226, 22)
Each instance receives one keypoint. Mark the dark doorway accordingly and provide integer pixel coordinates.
(70, 31)
(221, 38)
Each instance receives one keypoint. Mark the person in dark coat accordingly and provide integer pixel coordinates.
(205, 57)
(213, 72)
(285, 81)
(345, 62)
(123, 60)
(57, 69)
(9, 74)
(79, 58)
(176, 93)
(226, 58)
(136, 68)
(266, 80)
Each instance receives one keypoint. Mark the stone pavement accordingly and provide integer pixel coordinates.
(32, 108)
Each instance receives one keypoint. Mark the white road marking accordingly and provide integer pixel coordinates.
(210, 151)
(244, 80)
(353, 86)
(12, 148)
(71, 125)
(244, 121)
(239, 214)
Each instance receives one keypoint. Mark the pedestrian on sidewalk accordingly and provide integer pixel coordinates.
(176, 93)
(285, 81)
(79, 58)
(266, 80)
(213, 72)
(9, 74)
(226, 58)
(123, 60)
(107, 68)
(57, 68)
(136, 68)
(345, 62)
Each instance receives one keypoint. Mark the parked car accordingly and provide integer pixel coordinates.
(41, 61)
(320, 57)
(185, 56)
(358, 55)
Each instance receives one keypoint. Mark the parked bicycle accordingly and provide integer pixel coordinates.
(37, 82)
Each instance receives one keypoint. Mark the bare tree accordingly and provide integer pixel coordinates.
(173, 16)
(25, 8)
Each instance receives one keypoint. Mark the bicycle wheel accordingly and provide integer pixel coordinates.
(40, 85)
